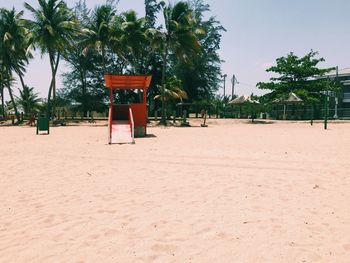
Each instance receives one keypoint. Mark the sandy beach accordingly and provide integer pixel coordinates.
(232, 192)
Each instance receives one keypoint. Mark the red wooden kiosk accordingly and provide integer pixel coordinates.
(126, 121)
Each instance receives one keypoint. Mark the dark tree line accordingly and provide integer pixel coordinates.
(181, 53)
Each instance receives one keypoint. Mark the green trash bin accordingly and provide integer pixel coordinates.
(42, 124)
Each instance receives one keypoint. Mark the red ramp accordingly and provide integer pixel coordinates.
(121, 132)
(121, 125)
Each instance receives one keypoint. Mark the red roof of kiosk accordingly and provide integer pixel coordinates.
(127, 82)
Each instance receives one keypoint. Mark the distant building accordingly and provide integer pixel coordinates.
(339, 103)
(344, 80)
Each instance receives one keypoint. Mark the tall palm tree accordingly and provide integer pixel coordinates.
(28, 100)
(177, 37)
(14, 47)
(133, 41)
(97, 33)
(17, 40)
(54, 27)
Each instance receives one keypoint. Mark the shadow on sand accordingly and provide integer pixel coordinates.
(149, 136)
(260, 122)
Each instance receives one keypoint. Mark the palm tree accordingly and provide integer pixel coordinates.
(14, 47)
(54, 27)
(17, 40)
(5, 81)
(151, 8)
(172, 91)
(134, 41)
(28, 100)
(178, 37)
(97, 33)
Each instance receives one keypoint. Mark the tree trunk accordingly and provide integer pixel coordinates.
(2, 101)
(21, 78)
(165, 55)
(54, 66)
(2, 95)
(25, 109)
(51, 58)
(2, 87)
(14, 104)
(103, 60)
(83, 86)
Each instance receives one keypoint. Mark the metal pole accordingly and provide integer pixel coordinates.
(224, 85)
(233, 85)
(224, 111)
(336, 96)
(336, 108)
(225, 75)
(326, 111)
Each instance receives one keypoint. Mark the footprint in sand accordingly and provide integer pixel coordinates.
(106, 211)
(203, 231)
(163, 248)
(49, 220)
(93, 237)
(111, 232)
(223, 235)
(346, 247)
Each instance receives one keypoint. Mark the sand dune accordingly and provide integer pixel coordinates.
(232, 192)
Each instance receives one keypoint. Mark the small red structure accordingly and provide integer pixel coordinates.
(126, 121)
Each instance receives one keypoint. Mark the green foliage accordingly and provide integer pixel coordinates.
(28, 100)
(202, 75)
(98, 30)
(83, 84)
(6, 80)
(54, 28)
(14, 41)
(2, 110)
(180, 54)
(299, 75)
(14, 53)
(179, 36)
(176, 38)
(151, 8)
(172, 91)
(134, 42)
